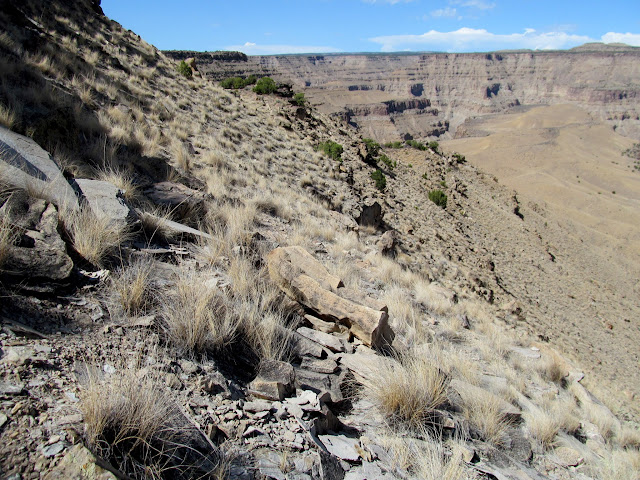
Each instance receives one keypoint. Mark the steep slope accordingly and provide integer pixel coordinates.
(390, 96)
(185, 350)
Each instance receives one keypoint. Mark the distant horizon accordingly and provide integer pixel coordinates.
(377, 26)
(612, 46)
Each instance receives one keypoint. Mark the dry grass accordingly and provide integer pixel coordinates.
(122, 180)
(436, 299)
(95, 237)
(544, 424)
(7, 238)
(619, 465)
(552, 367)
(130, 421)
(407, 392)
(155, 225)
(484, 412)
(131, 287)
(8, 117)
(628, 437)
(196, 315)
(426, 459)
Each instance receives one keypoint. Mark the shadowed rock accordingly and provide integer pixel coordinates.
(24, 164)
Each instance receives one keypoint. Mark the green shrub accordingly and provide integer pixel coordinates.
(443, 184)
(265, 86)
(380, 179)
(417, 145)
(393, 145)
(459, 158)
(184, 69)
(391, 164)
(434, 146)
(425, 176)
(237, 82)
(438, 197)
(373, 147)
(331, 149)
(299, 99)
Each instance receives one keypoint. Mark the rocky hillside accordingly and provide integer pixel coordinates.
(394, 97)
(199, 283)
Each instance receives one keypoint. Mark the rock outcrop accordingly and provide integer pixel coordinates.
(305, 280)
(391, 96)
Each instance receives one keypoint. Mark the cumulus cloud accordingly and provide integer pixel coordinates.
(444, 12)
(628, 38)
(251, 48)
(469, 39)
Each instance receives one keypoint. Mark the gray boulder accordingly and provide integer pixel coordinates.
(25, 165)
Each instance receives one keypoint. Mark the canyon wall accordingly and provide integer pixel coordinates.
(396, 96)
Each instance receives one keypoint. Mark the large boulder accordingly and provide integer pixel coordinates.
(25, 165)
(307, 281)
(105, 199)
(39, 251)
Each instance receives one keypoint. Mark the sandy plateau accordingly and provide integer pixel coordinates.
(562, 159)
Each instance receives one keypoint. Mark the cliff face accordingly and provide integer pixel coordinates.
(391, 96)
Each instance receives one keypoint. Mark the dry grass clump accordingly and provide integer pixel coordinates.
(426, 459)
(619, 465)
(196, 314)
(155, 225)
(435, 298)
(120, 179)
(8, 117)
(94, 236)
(484, 411)
(131, 287)
(406, 392)
(628, 437)
(552, 367)
(7, 238)
(544, 424)
(130, 422)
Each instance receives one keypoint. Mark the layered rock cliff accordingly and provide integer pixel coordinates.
(396, 96)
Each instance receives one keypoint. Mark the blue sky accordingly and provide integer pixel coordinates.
(325, 26)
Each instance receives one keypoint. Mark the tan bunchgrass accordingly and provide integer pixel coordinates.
(7, 237)
(131, 287)
(407, 391)
(155, 225)
(196, 314)
(619, 465)
(122, 180)
(426, 458)
(552, 367)
(628, 437)
(131, 422)
(484, 411)
(94, 236)
(8, 117)
(544, 424)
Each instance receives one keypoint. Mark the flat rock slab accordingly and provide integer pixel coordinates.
(274, 382)
(325, 339)
(79, 463)
(28, 166)
(106, 199)
(365, 366)
(341, 446)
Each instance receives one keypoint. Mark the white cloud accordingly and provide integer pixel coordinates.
(444, 12)
(475, 4)
(251, 48)
(477, 40)
(628, 38)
